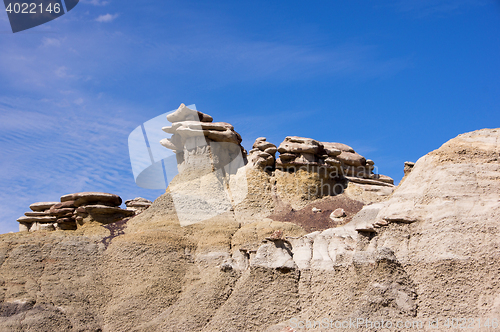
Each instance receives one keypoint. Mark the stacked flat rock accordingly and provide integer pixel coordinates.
(296, 152)
(78, 208)
(339, 159)
(262, 154)
(38, 218)
(96, 207)
(64, 214)
(138, 204)
(358, 169)
(191, 129)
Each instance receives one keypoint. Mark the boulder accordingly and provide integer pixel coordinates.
(228, 136)
(138, 204)
(333, 162)
(383, 178)
(352, 158)
(271, 150)
(299, 145)
(299, 152)
(338, 213)
(276, 235)
(408, 167)
(42, 206)
(90, 198)
(263, 154)
(65, 220)
(41, 220)
(331, 149)
(37, 214)
(107, 210)
(65, 224)
(340, 146)
(287, 156)
(63, 205)
(184, 113)
(197, 126)
(60, 213)
(262, 144)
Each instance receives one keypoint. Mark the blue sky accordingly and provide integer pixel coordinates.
(393, 79)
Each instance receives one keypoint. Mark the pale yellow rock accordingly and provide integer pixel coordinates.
(452, 193)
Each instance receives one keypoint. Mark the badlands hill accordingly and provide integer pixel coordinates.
(286, 252)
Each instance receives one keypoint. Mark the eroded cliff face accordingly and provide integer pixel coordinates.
(428, 251)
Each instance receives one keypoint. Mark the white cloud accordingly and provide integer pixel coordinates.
(47, 42)
(106, 18)
(61, 72)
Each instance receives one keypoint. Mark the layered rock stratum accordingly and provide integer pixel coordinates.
(280, 256)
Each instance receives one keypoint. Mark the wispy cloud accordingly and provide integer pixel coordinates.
(61, 150)
(96, 2)
(106, 18)
(62, 72)
(246, 61)
(49, 42)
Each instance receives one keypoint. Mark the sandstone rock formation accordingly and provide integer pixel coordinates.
(428, 252)
(307, 169)
(138, 204)
(337, 158)
(263, 154)
(408, 167)
(209, 157)
(73, 210)
(192, 130)
(298, 151)
(212, 179)
(39, 216)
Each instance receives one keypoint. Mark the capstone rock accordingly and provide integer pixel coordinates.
(42, 206)
(89, 198)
